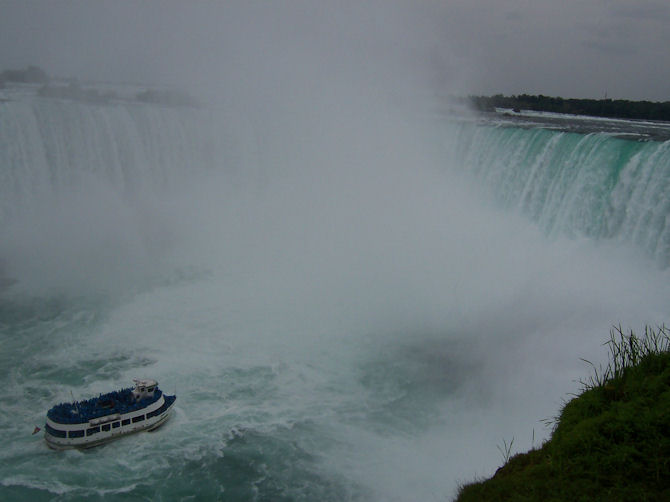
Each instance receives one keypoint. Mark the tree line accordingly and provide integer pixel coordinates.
(612, 108)
(30, 75)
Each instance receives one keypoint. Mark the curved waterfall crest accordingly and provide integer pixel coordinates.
(50, 146)
(583, 185)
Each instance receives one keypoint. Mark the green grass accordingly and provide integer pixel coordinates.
(610, 443)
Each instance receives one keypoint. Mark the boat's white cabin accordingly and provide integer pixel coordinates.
(144, 389)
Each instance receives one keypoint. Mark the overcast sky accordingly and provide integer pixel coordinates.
(571, 48)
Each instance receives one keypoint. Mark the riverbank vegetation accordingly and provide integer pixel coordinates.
(611, 108)
(610, 443)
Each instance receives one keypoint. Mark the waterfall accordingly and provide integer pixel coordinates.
(49, 146)
(581, 185)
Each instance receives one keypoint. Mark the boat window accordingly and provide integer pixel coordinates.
(138, 419)
(115, 425)
(77, 434)
(92, 430)
(125, 422)
(55, 432)
(106, 427)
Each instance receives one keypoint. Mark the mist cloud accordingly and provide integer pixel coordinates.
(464, 47)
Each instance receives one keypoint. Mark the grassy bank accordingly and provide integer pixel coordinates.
(610, 443)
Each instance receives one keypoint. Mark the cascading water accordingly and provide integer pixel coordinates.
(591, 185)
(341, 317)
(83, 186)
(50, 145)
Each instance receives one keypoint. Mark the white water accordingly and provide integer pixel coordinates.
(343, 314)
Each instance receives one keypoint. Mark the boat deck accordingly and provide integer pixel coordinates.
(120, 401)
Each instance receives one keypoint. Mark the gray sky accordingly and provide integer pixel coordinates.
(572, 48)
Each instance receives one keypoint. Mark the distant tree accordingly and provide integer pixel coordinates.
(31, 75)
(644, 110)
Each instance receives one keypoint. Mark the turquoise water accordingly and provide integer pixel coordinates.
(345, 313)
(592, 185)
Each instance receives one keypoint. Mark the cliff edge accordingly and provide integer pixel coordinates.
(610, 443)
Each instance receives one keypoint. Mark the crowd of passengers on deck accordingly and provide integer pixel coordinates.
(121, 401)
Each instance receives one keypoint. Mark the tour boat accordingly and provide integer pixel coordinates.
(107, 417)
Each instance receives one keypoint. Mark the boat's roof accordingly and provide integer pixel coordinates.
(145, 382)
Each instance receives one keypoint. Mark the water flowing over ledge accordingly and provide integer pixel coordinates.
(581, 185)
